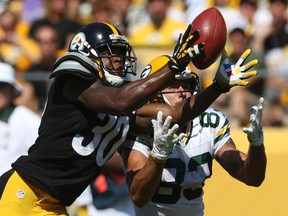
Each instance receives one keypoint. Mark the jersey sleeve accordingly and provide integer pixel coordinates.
(138, 144)
(75, 64)
(220, 129)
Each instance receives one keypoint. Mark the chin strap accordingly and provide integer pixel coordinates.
(113, 80)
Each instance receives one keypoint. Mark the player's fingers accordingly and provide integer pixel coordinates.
(166, 124)
(159, 116)
(250, 64)
(247, 130)
(254, 110)
(159, 119)
(194, 36)
(245, 54)
(154, 123)
(187, 32)
(174, 129)
(240, 83)
(261, 103)
(179, 138)
(248, 74)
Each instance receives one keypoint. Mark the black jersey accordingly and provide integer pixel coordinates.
(73, 145)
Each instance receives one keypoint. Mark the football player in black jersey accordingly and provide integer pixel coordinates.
(88, 112)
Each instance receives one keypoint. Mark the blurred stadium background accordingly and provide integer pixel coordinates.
(226, 196)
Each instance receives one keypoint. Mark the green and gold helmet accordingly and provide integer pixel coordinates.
(159, 62)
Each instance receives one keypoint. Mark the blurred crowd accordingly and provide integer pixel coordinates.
(34, 33)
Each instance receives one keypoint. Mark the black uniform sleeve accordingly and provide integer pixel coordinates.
(76, 64)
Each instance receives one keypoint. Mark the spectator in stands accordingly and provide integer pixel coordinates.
(120, 15)
(275, 46)
(16, 48)
(18, 124)
(56, 16)
(277, 86)
(279, 32)
(160, 29)
(259, 19)
(241, 101)
(49, 43)
(32, 9)
(73, 10)
(195, 7)
(102, 11)
(48, 40)
(230, 11)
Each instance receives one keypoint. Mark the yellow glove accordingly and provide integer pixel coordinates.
(183, 51)
(228, 75)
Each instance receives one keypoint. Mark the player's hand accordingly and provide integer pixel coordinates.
(164, 138)
(228, 75)
(254, 131)
(183, 52)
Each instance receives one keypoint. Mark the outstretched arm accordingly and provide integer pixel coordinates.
(131, 96)
(227, 76)
(144, 174)
(116, 101)
(183, 112)
(249, 168)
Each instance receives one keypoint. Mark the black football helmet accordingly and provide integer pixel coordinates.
(98, 37)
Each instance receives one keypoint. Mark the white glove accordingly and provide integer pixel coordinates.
(184, 75)
(164, 139)
(254, 131)
(228, 75)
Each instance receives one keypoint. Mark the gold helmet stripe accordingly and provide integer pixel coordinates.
(115, 31)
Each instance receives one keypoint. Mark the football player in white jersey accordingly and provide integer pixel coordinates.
(166, 176)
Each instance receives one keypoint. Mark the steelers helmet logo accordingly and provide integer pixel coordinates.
(77, 42)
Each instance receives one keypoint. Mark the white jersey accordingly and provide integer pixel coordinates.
(17, 133)
(180, 190)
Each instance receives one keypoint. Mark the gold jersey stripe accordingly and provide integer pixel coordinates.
(223, 130)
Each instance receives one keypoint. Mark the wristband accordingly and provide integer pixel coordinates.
(157, 160)
(219, 88)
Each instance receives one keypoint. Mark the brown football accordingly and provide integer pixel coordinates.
(213, 32)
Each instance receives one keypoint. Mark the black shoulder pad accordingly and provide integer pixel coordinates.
(76, 64)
